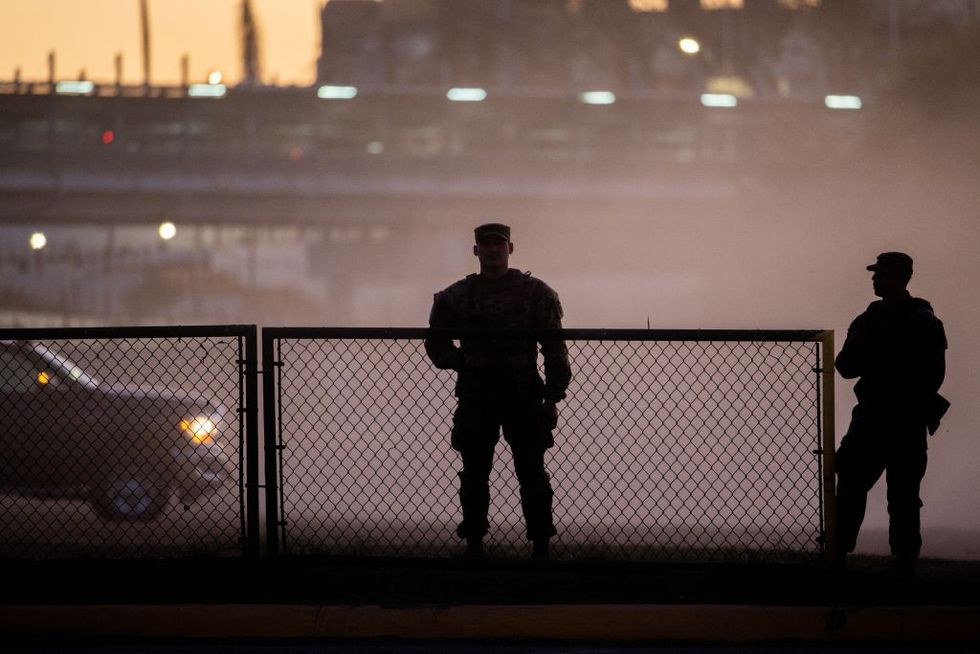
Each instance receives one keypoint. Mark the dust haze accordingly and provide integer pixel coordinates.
(795, 258)
(778, 247)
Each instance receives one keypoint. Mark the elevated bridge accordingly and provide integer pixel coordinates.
(285, 156)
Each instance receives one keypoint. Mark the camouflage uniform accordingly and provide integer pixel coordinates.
(498, 386)
(898, 351)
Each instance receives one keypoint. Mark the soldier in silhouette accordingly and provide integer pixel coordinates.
(897, 348)
(498, 384)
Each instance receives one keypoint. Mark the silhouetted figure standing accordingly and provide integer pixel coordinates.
(898, 349)
(498, 384)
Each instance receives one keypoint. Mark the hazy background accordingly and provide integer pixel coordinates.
(787, 248)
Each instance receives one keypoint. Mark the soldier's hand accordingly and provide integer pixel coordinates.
(549, 415)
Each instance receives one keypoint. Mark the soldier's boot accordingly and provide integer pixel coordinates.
(904, 527)
(474, 499)
(851, 506)
(536, 502)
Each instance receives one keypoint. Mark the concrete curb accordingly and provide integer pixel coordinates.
(650, 622)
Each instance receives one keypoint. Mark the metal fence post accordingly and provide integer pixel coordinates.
(829, 448)
(251, 441)
(270, 429)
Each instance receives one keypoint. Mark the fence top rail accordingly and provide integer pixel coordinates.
(182, 331)
(415, 333)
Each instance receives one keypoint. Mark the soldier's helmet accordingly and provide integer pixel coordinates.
(897, 263)
(498, 230)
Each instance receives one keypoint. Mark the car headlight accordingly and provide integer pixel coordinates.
(199, 429)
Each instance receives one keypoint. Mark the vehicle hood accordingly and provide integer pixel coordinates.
(172, 397)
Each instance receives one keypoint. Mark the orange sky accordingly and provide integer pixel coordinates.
(88, 34)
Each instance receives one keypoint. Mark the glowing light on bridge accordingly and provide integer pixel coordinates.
(167, 230)
(74, 87)
(713, 5)
(649, 5)
(331, 92)
(464, 94)
(718, 100)
(597, 97)
(206, 90)
(38, 240)
(842, 102)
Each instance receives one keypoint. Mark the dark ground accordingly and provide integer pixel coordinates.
(428, 582)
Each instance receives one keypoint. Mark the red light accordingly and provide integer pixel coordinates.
(108, 136)
(296, 153)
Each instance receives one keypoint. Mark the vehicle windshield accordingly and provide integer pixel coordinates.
(66, 366)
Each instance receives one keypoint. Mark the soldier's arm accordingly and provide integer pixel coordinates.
(934, 357)
(440, 348)
(557, 369)
(852, 358)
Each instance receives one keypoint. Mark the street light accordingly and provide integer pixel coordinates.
(842, 102)
(719, 100)
(333, 92)
(167, 230)
(689, 45)
(597, 97)
(648, 5)
(38, 240)
(466, 94)
(207, 90)
(74, 87)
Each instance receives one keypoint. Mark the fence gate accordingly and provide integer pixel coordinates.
(671, 446)
(128, 442)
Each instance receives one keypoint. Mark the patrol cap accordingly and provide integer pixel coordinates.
(492, 229)
(894, 262)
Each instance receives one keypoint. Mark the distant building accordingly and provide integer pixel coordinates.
(763, 47)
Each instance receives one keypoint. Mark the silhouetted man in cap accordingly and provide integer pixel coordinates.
(897, 348)
(498, 384)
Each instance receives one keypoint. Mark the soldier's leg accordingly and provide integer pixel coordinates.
(906, 467)
(529, 440)
(475, 434)
(860, 463)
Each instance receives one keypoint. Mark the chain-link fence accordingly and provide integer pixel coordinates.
(124, 442)
(141, 442)
(672, 446)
